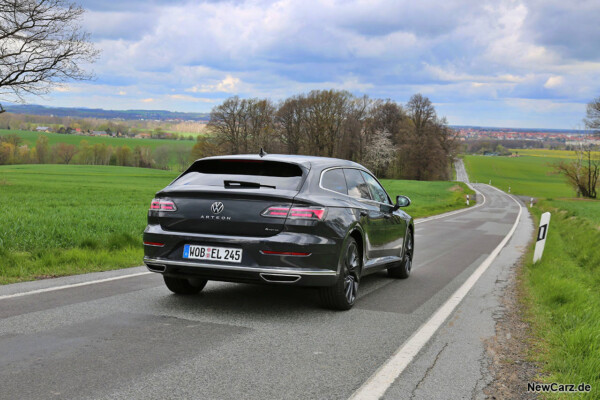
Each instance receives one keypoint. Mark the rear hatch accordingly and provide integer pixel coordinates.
(229, 196)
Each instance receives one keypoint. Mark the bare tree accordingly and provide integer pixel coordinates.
(41, 45)
(592, 120)
(65, 152)
(182, 155)
(227, 123)
(259, 124)
(290, 123)
(161, 156)
(583, 173)
(325, 115)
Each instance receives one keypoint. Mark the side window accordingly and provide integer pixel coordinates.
(334, 180)
(378, 192)
(357, 187)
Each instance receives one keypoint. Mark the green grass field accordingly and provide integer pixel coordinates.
(30, 138)
(69, 219)
(60, 220)
(528, 176)
(545, 153)
(562, 292)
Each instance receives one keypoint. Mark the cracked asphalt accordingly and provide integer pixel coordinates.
(132, 339)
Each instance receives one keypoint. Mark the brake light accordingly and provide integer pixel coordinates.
(312, 213)
(162, 205)
(295, 212)
(278, 212)
(155, 244)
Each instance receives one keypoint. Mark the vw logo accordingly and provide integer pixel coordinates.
(217, 207)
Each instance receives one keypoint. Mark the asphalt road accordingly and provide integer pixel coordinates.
(131, 338)
(461, 172)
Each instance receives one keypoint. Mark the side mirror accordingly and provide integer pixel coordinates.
(402, 201)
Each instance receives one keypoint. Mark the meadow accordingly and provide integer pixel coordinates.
(527, 175)
(69, 219)
(546, 153)
(30, 138)
(562, 291)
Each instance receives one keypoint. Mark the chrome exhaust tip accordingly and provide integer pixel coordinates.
(279, 278)
(156, 267)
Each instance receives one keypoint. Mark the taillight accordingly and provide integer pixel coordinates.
(310, 213)
(294, 212)
(162, 205)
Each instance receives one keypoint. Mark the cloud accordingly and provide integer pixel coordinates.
(148, 100)
(228, 85)
(192, 99)
(457, 52)
(553, 82)
(569, 28)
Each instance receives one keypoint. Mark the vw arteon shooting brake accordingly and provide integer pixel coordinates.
(279, 219)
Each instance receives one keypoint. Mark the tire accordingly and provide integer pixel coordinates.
(184, 286)
(342, 295)
(402, 271)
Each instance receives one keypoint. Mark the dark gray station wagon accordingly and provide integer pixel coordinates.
(277, 219)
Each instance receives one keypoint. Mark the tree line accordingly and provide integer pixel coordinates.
(13, 151)
(395, 141)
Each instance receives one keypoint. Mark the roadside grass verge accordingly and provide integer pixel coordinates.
(561, 293)
(70, 219)
(563, 297)
(429, 198)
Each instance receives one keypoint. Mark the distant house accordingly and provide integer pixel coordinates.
(42, 129)
(99, 133)
(143, 136)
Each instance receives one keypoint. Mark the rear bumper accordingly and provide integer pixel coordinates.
(243, 274)
(317, 269)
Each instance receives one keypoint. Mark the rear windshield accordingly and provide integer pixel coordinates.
(282, 175)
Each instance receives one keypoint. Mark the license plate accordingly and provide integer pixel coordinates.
(212, 253)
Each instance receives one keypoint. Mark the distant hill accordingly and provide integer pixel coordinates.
(542, 130)
(82, 112)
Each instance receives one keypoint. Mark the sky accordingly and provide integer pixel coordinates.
(510, 63)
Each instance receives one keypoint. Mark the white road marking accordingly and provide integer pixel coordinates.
(449, 214)
(55, 288)
(384, 377)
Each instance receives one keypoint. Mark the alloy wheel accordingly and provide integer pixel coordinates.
(351, 268)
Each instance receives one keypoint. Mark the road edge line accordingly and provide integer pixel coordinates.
(378, 383)
(73, 285)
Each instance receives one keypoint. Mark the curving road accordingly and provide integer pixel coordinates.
(128, 337)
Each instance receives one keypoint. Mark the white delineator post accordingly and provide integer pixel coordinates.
(467, 199)
(541, 237)
(531, 203)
